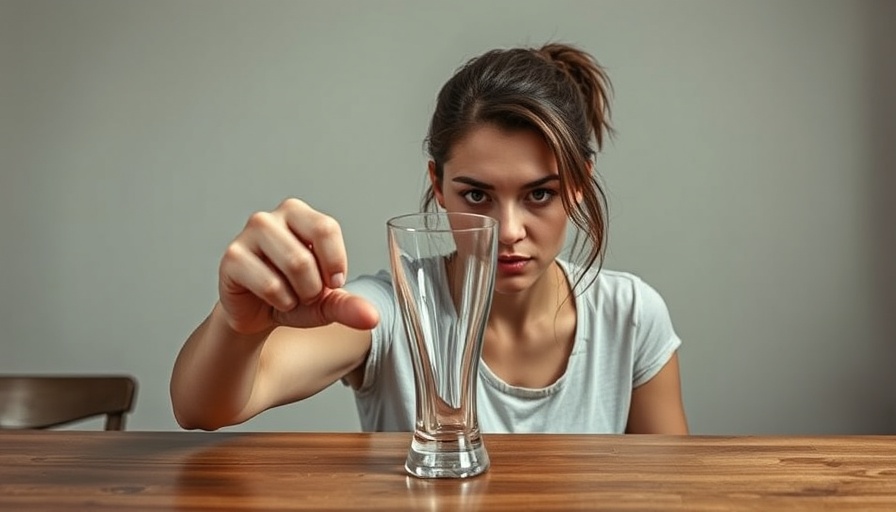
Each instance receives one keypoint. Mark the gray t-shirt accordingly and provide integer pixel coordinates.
(624, 336)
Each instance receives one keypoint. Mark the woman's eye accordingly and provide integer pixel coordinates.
(541, 195)
(475, 196)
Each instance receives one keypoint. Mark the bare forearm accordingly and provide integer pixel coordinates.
(214, 375)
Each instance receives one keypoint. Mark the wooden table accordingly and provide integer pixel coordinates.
(56, 470)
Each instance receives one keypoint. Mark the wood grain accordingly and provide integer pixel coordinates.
(185, 471)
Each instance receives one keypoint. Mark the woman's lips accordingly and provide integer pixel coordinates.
(512, 264)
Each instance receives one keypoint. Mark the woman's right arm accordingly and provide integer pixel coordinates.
(282, 329)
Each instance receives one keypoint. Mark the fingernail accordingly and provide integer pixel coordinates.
(337, 280)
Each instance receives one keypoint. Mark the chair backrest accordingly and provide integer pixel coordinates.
(43, 401)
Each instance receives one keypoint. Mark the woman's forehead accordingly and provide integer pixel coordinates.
(498, 154)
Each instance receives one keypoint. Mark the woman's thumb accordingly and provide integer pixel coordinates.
(349, 310)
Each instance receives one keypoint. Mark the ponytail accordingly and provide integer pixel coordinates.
(591, 80)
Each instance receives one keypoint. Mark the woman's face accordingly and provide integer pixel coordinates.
(511, 176)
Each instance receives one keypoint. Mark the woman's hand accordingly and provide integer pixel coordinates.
(286, 267)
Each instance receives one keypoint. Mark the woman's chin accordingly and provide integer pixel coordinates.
(511, 286)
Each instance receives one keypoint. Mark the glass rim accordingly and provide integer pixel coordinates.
(394, 222)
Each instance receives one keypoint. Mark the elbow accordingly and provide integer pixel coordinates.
(188, 421)
(189, 413)
(190, 417)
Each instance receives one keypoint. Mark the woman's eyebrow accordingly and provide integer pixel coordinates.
(485, 186)
(473, 183)
(542, 181)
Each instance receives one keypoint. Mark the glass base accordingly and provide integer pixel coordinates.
(456, 457)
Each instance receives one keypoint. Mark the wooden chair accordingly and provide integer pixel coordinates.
(39, 402)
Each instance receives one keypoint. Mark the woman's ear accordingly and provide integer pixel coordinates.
(590, 166)
(436, 184)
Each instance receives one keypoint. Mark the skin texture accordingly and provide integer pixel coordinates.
(283, 329)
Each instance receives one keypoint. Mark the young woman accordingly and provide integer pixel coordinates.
(569, 347)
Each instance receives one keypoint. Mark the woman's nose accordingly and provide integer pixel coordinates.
(511, 228)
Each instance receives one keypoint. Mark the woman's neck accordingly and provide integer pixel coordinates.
(512, 311)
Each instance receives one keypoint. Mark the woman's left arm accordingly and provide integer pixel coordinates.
(657, 407)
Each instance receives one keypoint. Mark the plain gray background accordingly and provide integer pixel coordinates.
(751, 180)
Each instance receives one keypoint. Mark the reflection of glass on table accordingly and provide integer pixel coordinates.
(443, 272)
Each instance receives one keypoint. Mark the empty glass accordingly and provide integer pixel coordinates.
(443, 272)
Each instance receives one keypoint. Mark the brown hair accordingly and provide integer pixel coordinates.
(560, 92)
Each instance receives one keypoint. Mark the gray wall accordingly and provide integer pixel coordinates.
(750, 181)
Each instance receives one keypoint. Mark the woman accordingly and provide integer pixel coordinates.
(569, 347)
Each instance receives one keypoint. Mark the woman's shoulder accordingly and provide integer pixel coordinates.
(607, 289)
(600, 280)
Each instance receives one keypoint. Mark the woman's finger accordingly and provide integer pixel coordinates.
(323, 235)
(242, 271)
(276, 243)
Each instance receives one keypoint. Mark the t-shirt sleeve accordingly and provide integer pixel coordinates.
(655, 338)
(377, 289)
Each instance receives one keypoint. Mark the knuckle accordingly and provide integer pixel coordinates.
(232, 254)
(326, 227)
(320, 313)
(260, 220)
(272, 289)
(298, 263)
(291, 204)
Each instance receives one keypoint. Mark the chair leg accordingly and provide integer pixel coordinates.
(114, 422)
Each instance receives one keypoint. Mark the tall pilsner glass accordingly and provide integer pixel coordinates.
(443, 272)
